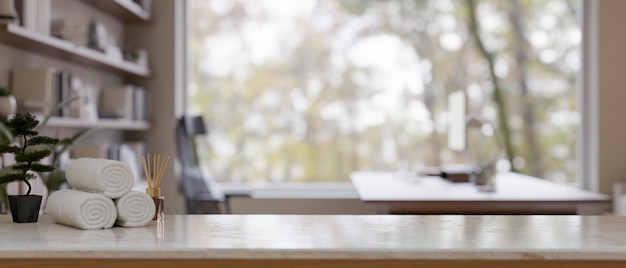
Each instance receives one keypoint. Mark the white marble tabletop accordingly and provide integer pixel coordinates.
(328, 237)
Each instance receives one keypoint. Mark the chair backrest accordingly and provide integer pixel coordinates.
(189, 126)
(193, 183)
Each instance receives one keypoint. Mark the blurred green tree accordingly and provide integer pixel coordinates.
(309, 91)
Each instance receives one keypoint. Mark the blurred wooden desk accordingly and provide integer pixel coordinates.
(401, 193)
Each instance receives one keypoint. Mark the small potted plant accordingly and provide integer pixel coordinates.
(7, 103)
(34, 148)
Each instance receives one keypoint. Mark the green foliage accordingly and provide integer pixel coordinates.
(11, 177)
(22, 126)
(5, 134)
(39, 140)
(4, 92)
(56, 110)
(41, 168)
(32, 156)
(53, 179)
(321, 70)
(56, 178)
(10, 149)
(4, 199)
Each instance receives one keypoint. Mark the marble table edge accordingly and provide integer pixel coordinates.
(426, 254)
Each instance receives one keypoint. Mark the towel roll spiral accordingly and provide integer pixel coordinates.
(81, 209)
(112, 178)
(135, 209)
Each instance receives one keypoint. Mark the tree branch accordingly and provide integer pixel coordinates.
(498, 97)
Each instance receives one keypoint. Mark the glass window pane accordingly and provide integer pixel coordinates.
(310, 90)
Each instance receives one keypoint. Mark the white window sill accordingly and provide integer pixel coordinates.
(290, 190)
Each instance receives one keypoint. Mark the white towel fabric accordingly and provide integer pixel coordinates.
(110, 177)
(81, 210)
(135, 209)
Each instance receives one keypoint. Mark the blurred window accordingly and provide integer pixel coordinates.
(310, 90)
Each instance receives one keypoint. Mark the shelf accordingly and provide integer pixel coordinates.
(113, 124)
(22, 38)
(124, 10)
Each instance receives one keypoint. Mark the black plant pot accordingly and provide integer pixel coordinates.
(25, 208)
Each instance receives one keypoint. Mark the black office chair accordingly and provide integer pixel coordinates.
(195, 187)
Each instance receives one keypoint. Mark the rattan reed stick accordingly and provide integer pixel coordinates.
(154, 167)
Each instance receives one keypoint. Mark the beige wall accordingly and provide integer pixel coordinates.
(604, 147)
(163, 39)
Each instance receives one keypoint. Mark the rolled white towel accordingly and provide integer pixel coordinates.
(134, 209)
(110, 177)
(81, 209)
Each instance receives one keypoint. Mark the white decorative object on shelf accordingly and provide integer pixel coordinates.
(7, 11)
(619, 198)
(73, 30)
(7, 105)
(34, 15)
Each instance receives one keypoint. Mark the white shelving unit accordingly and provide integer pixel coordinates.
(19, 37)
(124, 10)
(111, 124)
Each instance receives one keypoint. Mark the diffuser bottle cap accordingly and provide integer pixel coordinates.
(154, 192)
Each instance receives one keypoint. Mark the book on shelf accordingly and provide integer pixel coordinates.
(131, 155)
(34, 89)
(34, 15)
(45, 9)
(82, 32)
(128, 102)
(76, 95)
(72, 30)
(42, 90)
(140, 104)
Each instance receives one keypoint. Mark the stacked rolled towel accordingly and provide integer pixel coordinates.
(81, 209)
(134, 209)
(102, 197)
(112, 178)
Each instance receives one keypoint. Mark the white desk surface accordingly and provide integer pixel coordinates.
(513, 189)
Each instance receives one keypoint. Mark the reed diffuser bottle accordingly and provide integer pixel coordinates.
(154, 169)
